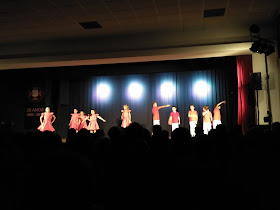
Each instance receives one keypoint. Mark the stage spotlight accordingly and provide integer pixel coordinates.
(135, 90)
(201, 89)
(270, 49)
(262, 48)
(167, 90)
(261, 45)
(103, 91)
(255, 46)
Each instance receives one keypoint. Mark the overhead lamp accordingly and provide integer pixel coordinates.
(255, 46)
(261, 45)
(270, 49)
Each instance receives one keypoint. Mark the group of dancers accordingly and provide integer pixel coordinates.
(174, 118)
(79, 120)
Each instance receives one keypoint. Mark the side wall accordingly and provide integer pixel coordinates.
(274, 78)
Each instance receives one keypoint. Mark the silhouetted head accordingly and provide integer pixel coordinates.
(198, 130)
(71, 133)
(165, 134)
(114, 132)
(134, 130)
(181, 134)
(157, 130)
(221, 129)
(99, 133)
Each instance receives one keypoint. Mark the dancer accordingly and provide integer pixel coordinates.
(207, 120)
(75, 120)
(155, 112)
(174, 118)
(217, 114)
(126, 116)
(83, 120)
(193, 118)
(47, 118)
(93, 125)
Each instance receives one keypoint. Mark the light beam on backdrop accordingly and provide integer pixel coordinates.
(167, 90)
(103, 91)
(135, 90)
(201, 89)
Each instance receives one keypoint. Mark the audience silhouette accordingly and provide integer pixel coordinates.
(132, 169)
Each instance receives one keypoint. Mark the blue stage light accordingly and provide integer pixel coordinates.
(103, 91)
(201, 89)
(135, 90)
(167, 90)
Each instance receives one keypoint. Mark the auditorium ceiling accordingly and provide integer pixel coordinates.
(51, 31)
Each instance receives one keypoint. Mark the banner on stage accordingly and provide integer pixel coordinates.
(34, 105)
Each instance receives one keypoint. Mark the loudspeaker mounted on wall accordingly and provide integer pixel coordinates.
(255, 81)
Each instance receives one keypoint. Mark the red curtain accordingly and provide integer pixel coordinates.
(244, 68)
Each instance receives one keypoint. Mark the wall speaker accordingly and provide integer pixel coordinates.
(255, 81)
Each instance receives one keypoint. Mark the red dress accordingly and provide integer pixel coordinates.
(93, 125)
(125, 118)
(83, 124)
(75, 121)
(47, 122)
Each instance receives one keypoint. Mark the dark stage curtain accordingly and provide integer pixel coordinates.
(72, 87)
(244, 68)
(180, 78)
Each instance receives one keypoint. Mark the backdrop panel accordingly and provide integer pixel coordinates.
(181, 86)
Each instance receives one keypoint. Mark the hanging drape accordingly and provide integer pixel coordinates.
(244, 68)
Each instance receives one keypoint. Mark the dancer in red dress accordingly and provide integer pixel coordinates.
(47, 118)
(93, 125)
(75, 120)
(83, 121)
(126, 116)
